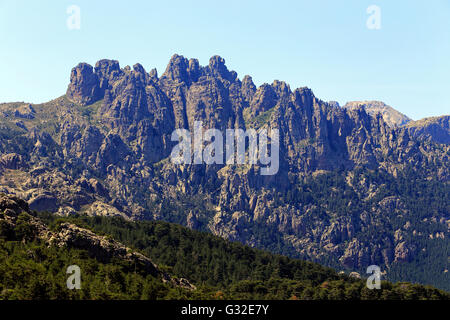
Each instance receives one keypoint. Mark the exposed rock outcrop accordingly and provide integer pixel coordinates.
(84, 87)
(102, 248)
(25, 111)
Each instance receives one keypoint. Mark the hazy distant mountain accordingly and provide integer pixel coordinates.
(334, 104)
(353, 188)
(391, 116)
(435, 128)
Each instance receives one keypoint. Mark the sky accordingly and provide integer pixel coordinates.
(324, 45)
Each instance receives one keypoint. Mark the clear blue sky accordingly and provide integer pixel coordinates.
(324, 45)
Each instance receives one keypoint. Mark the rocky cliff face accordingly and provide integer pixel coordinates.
(104, 148)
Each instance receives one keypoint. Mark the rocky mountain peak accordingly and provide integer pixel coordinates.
(140, 74)
(248, 88)
(194, 69)
(304, 96)
(84, 87)
(138, 68)
(107, 69)
(177, 69)
(281, 88)
(153, 74)
(265, 98)
(217, 67)
(334, 104)
(391, 116)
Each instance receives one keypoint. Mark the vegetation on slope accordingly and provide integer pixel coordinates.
(219, 269)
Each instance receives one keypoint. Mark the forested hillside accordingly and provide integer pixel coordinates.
(36, 249)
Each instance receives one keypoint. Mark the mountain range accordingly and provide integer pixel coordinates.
(357, 185)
